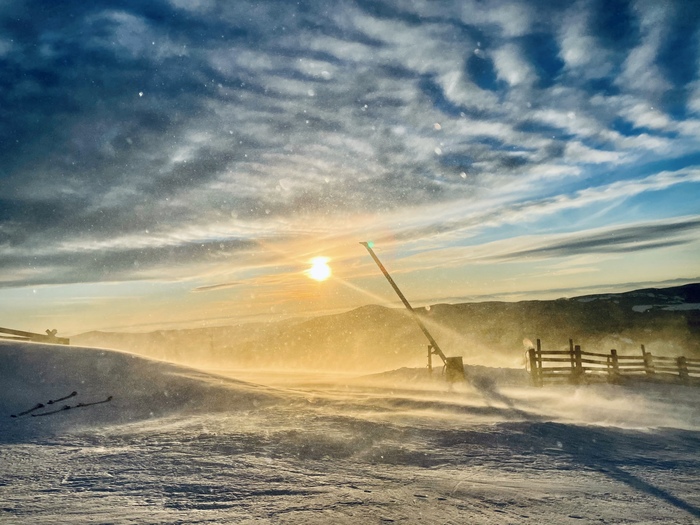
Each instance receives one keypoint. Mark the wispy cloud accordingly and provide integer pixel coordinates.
(640, 70)
(213, 287)
(570, 253)
(464, 219)
(619, 240)
(512, 67)
(581, 49)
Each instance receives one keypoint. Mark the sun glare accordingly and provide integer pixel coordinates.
(319, 271)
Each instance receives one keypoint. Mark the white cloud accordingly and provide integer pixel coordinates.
(426, 48)
(573, 271)
(131, 35)
(643, 114)
(580, 50)
(462, 91)
(645, 142)
(543, 171)
(571, 250)
(488, 128)
(515, 18)
(129, 32)
(512, 66)
(584, 124)
(694, 87)
(616, 191)
(577, 48)
(194, 5)
(694, 98)
(496, 207)
(579, 124)
(512, 18)
(640, 72)
(690, 127)
(577, 152)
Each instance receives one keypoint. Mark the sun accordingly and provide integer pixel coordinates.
(319, 271)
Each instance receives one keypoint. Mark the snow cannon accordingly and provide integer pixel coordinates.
(453, 366)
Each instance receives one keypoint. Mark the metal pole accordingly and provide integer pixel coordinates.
(408, 306)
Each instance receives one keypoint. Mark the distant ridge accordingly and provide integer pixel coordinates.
(371, 337)
(689, 293)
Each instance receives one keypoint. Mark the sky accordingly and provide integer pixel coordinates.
(181, 162)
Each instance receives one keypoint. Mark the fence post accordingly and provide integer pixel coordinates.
(571, 355)
(534, 371)
(613, 367)
(683, 369)
(577, 372)
(538, 363)
(648, 362)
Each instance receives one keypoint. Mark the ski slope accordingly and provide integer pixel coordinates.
(178, 445)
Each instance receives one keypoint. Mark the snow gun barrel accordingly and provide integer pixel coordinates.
(435, 347)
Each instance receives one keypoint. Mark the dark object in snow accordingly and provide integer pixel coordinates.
(72, 394)
(49, 402)
(35, 407)
(64, 407)
(109, 398)
(69, 407)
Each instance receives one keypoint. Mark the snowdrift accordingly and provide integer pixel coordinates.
(110, 387)
(177, 445)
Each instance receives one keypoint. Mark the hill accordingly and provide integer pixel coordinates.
(104, 387)
(666, 321)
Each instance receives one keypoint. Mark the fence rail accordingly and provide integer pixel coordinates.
(20, 335)
(546, 366)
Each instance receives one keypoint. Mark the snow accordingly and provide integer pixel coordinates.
(641, 308)
(178, 445)
(682, 307)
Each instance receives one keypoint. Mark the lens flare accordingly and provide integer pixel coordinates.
(319, 271)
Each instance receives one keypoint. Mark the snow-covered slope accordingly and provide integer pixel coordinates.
(176, 445)
(139, 388)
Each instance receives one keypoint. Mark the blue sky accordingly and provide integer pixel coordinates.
(181, 162)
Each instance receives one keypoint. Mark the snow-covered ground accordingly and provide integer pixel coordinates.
(177, 445)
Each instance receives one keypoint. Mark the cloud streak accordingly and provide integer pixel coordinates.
(620, 240)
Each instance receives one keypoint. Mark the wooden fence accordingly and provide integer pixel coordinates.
(574, 366)
(20, 335)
